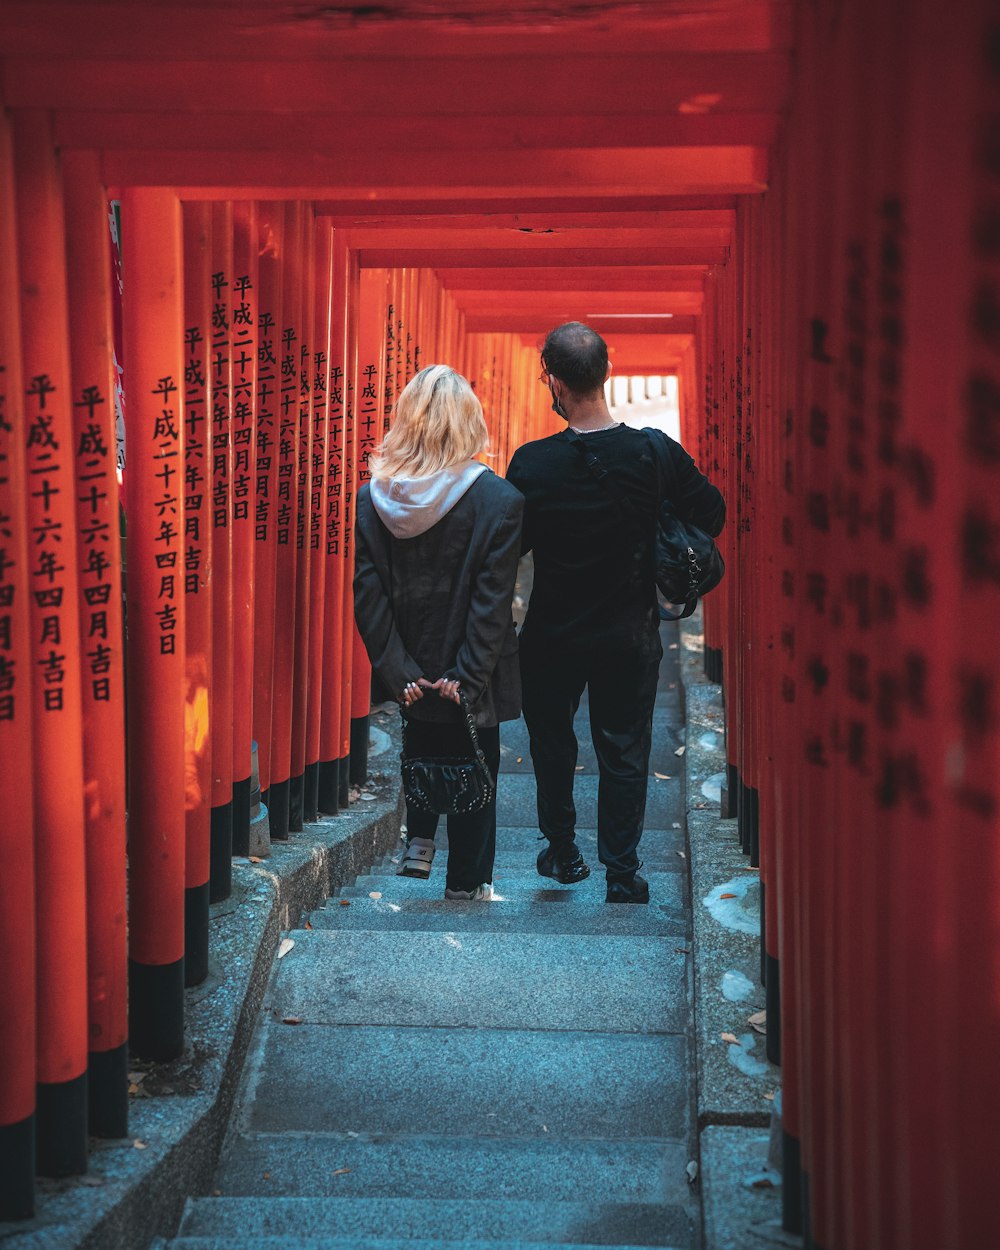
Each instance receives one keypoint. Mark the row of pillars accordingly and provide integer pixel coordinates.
(206, 606)
(843, 391)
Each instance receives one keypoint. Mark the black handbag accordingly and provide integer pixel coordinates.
(448, 785)
(686, 561)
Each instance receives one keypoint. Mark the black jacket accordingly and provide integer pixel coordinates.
(593, 578)
(451, 591)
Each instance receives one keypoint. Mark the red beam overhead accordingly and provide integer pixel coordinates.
(652, 278)
(578, 257)
(334, 134)
(228, 31)
(609, 218)
(635, 84)
(497, 298)
(541, 323)
(505, 238)
(349, 211)
(475, 174)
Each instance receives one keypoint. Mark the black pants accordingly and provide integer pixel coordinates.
(621, 681)
(472, 839)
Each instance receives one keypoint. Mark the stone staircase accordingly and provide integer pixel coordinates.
(513, 1073)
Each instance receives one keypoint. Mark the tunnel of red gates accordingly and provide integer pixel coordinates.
(791, 207)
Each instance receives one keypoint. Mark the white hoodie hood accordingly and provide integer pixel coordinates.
(409, 506)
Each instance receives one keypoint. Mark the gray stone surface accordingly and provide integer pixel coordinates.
(591, 915)
(483, 981)
(656, 844)
(511, 883)
(454, 1167)
(483, 1082)
(516, 804)
(600, 1223)
(358, 1241)
(741, 1195)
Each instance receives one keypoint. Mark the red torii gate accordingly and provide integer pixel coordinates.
(327, 200)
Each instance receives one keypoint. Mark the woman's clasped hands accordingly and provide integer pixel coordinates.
(414, 690)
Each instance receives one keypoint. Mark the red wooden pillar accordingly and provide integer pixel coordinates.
(154, 367)
(198, 529)
(271, 224)
(221, 703)
(243, 303)
(319, 466)
(17, 849)
(103, 690)
(370, 398)
(53, 582)
(333, 779)
(350, 463)
(284, 522)
(303, 526)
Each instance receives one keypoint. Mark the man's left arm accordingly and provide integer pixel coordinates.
(696, 499)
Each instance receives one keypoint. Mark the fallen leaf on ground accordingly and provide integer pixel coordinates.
(672, 647)
(285, 947)
(375, 894)
(682, 950)
(307, 925)
(579, 768)
(92, 1181)
(762, 1182)
(730, 1038)
(139, 1145)
(216, 1193)
(699, 806)
(256, 859)
(769, 1097)
(291, 1019)
(727, 896)
(267, 1176)
(682, 854)
(545, 1128)
(344, 902)
(680, 750)
(520, 760)
(675, 824)
(341, 1171)
(758, 1021)
(692, 1172)
(662, 776)
(367, 798)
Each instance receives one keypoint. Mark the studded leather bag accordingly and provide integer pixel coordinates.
(448, 785)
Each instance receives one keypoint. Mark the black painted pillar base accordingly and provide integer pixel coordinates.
(107, 1092)
(221, 853)
(791, 1183)
(156, 1010)
(807, 1237)
(295, 788)
(745, 816)
(328, 787)
(773, 1003)
(241, 817)
(196, 934)
(713, 664)
(763, 935)
(345, 782)
(277, 810)
(61, 1127)
(17, 1170)
(730, 793)
(310, 793)
(359, 750)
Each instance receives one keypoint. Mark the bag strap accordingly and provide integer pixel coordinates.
(470, 724)
(601, 474)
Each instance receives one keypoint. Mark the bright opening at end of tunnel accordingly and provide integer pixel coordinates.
(646, 401)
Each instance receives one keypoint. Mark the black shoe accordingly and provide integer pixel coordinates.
(563, 862)
(628, 890)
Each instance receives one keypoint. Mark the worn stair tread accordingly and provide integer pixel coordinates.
(596, 1223)
(512, 884)
(489, 1083)
(483, 980)
(361, 1242)
(546, 911)
(336, 1165)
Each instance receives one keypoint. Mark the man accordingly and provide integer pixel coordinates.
(593, 619)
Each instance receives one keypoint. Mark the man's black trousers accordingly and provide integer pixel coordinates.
(621, 681)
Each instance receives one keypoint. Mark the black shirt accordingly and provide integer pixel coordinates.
(593, 561)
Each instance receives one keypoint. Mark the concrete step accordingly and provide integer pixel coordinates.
(294, 1242)
(505, 1222)
(545, 911)
(511, 883)
(490, 1083)
(337, 1166)
(483, 980)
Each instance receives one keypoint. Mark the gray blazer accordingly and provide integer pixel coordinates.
(438, 605)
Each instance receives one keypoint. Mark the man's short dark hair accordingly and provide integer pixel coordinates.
(577, 356)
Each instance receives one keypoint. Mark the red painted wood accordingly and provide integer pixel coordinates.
(198, 535)
(53, 581)
(17, 882)
(154, 505)
(100, 604)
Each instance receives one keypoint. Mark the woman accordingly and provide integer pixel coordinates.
(438, 539)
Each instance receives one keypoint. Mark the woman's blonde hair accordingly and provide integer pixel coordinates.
(438, 421)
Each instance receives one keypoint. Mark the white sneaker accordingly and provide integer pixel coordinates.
(484, 892)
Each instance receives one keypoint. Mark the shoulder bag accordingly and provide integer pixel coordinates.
(448, 785)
